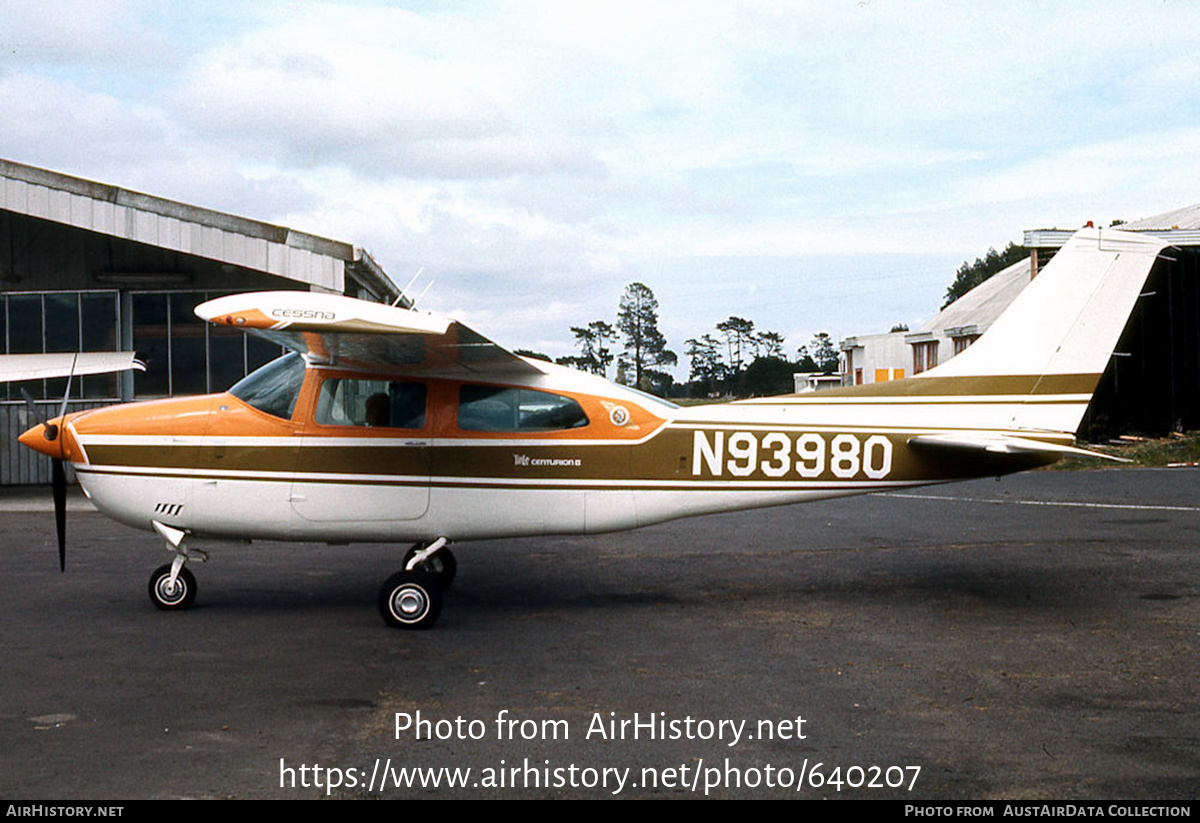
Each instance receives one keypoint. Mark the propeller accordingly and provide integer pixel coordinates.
(58, 474)
(58, 484)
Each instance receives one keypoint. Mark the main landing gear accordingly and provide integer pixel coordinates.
(412, 599)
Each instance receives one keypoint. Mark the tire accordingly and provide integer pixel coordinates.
(441, 565)
(181, 598)
(410, 600)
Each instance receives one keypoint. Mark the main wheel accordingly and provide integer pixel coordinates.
(441, 565)
(410, 600)
(168, 597)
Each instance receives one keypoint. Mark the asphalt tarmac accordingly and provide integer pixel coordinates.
(1034, 638)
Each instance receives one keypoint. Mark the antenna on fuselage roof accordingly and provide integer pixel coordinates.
(422, 297)
(404, 290)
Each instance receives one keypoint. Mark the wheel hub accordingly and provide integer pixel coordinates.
(170, 592)
(409, 602)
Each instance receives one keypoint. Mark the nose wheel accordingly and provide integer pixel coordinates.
(172, 594)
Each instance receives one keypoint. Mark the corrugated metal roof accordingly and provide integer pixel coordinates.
(984, 303)
(1046, 238)
(226, 238)
(1186, 218)
(1180, 227)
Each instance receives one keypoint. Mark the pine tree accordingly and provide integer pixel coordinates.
(595, 356)
(645, 346)
(739, 335)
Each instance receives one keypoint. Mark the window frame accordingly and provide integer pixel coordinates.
(516, 410)
(388, 382)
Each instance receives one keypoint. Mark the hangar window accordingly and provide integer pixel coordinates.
(498, 409)
(185, 355)
(346, 401)
(46, 322)
(274, 388)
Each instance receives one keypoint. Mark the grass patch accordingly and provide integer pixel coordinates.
(1147, 453)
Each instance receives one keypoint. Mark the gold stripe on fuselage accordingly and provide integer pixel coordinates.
(835, 443)
(684, 454)
(972, 388)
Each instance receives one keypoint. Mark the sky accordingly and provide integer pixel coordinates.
(809, 166)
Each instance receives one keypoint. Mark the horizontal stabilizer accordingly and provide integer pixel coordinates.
(983, 443)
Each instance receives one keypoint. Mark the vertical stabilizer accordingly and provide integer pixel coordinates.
(1054, 341)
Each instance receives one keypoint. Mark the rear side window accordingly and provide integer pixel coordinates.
(498, 409)
(351, 401)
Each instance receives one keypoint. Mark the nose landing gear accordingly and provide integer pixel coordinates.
(173, 587)
(172, 594)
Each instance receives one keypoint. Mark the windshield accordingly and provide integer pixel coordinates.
(274, 387)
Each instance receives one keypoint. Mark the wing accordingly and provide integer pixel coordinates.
(38, 366)
(357, 333)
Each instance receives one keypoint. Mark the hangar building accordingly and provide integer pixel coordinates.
(877, 358)
(86, 266)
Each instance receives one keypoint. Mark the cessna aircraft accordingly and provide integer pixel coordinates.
(390, 424)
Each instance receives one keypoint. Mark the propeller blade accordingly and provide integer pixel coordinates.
(31, 406)
(58, 474)
(67, 394)
(51, 432)
(58, 480)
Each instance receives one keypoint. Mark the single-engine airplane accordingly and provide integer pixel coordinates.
(390, 424)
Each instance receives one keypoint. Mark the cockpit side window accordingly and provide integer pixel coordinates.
(498, 409)
(352, 401)
(273, 388)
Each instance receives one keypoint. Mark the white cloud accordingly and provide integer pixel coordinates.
(382, 92)
(99, 33)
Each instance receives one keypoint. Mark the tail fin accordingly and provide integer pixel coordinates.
(1054, 341)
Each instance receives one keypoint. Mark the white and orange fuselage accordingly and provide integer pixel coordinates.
(216, 466)
(291, 456)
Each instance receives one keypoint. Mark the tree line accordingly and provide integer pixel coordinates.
(737, 360)
(970, 275)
